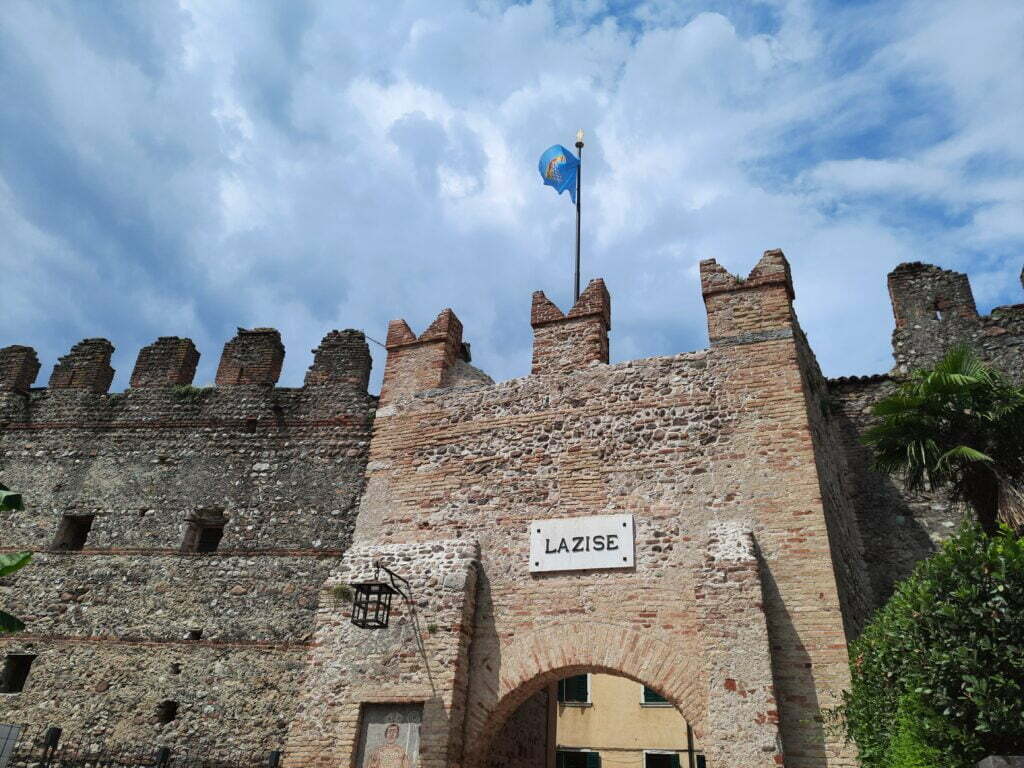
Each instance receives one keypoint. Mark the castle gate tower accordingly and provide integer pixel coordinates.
(727, 578)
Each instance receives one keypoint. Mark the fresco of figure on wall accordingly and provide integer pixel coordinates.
(390, 754)
(390, 736)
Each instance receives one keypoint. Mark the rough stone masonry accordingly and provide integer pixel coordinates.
(192, 546)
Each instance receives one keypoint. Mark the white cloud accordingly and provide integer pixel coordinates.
(317, 165)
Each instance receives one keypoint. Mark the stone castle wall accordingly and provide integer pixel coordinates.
(934, 309)
(130, 621)
(763, 539)
(684, 443)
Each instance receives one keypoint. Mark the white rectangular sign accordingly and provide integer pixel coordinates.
(581, 543)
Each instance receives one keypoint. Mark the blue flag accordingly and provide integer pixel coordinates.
(558, 167)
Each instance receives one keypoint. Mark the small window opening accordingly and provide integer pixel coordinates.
(72, 533)
(175, 668)
(661, 760)
(577, 759)
(203, 531)
(574, 690)
(166, 711)
(195, 634)
(940, 307)
(16, 667)
(653, 698)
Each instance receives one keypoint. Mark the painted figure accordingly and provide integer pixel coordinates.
(389, 754)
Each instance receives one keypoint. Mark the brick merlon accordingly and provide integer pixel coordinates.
(773, 268)
(595, 300)
(19, 366)
(446, 327)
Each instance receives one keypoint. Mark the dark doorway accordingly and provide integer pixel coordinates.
(15, 674)
(72, 533)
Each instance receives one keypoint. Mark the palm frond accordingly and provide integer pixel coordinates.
(10, 623)
(13, 561)
(10, 500)
(962, 453)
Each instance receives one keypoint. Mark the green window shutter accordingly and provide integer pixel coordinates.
(653, 697)
(702, 762)
(560, 756)
(593, 759)
(675, 761)
(573, 689)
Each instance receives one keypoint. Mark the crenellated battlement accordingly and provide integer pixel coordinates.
(169, 361)
(934, 308)
(341, 358)
(254, 357)
(563, 343)
(159, 391)
(86, 367)
(19, 367)
(751, 309)
(417, 363)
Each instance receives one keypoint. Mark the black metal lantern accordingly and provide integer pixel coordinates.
(371, 600)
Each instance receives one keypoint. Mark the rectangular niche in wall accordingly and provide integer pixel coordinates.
(389, 734)
(15, 672)
(72, 533)
(203, 530)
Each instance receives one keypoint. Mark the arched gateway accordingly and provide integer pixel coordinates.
(546, 655)
(679, 520)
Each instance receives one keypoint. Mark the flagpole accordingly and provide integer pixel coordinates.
(579, 174)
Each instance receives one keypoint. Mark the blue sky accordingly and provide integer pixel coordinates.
(187, 168)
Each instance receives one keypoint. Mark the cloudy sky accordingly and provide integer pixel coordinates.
(185, 168)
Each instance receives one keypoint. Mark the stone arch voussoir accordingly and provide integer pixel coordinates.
(534, 660)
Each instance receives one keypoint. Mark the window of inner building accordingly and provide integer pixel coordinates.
(203, 531)
(577, 759)
(72, 532)
(699, 761)
(662, 760)
(16, 667)
(574, 690)
(652, 698)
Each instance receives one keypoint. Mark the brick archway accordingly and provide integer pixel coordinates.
(545, 655)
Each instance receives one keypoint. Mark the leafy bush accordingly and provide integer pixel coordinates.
(12, 561)
(909, 748)
(938, 674)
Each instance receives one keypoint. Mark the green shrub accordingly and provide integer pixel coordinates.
(938, 674)
(909, 748)
(185, 393)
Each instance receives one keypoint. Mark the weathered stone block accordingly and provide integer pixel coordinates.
(19, 367)
(251, 358)
(170, 361)
(751, 310)
(566, 343)
(343, 357)
(85, 367)
(416, 364)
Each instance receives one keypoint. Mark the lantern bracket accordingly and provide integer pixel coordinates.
(394, 578)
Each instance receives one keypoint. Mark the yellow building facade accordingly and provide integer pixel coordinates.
(605, 721)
